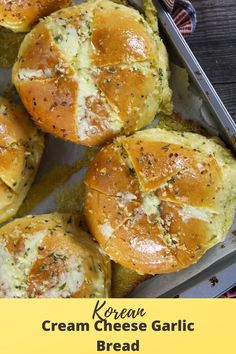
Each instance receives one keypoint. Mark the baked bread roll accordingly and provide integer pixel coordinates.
(158, 200)
(51, 256)
(20, 15)
(21, 148)
(93, 71)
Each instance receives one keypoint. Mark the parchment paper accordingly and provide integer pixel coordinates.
(187, 101)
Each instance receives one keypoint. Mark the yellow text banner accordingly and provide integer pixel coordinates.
(146, 326)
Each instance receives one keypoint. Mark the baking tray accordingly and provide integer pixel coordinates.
(220, 276)
(212, 111)
(217, 280)
(225, 124)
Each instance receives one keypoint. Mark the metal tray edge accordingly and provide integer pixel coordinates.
(221, 116)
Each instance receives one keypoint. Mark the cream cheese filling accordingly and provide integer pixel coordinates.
(14, 270)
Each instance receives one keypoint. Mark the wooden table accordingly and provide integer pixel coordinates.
(214, 44)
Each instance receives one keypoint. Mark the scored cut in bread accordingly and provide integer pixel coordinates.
(21, 149)
(94, 71)
(51, 256)
(158, 200)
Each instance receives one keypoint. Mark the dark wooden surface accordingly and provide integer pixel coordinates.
(214, 44)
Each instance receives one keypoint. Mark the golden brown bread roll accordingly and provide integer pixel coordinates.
(93, 71)
(21, 148)
(20, 15)
(158, 200)
(51, 256)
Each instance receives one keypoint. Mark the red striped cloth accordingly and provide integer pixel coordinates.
(183, 14)
(169, 4)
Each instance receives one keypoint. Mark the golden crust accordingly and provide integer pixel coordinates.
(38, 52)
(194, 235)
(173, 199)
(194, 178)
(128, 90)
(110, 164)
(107, 208)
(19, 16)
(122, 40)
(139, 245)
(21, 148)
(104, 77)
(12, 165)
(54, 101)
(53, 257)
(10, 132)
(55, 98)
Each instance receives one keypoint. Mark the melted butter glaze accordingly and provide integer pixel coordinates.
(55, 178)
(9, 46)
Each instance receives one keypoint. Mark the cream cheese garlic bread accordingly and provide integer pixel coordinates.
(158, 200)
(93, 71)
(21, 148)
(51, 256)
(20, 15)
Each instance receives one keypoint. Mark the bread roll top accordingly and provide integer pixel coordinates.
(21, 148)
(51, 256)
(158, 200)
(93, 71)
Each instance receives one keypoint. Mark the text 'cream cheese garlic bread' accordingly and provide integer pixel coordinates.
(158, 200)
(93, 71)
(20, 15)
(21, 148)
(51, 256)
